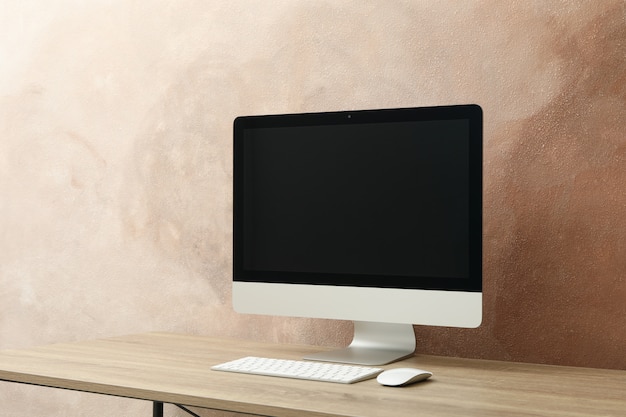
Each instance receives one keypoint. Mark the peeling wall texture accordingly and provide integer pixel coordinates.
(115, 163)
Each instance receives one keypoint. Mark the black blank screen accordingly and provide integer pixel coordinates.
(372, 204)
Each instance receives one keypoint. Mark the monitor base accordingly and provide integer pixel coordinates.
(373, 344)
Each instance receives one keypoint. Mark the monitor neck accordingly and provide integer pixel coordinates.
(373, 344)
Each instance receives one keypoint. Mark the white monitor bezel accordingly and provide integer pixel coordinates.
(384, 305)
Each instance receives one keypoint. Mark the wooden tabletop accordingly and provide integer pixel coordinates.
(174, 368)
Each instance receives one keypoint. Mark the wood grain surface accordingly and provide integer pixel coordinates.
(174, 368)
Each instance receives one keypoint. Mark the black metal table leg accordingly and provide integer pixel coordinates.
(157, 409)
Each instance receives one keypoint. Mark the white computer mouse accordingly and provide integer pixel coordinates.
(399, 377)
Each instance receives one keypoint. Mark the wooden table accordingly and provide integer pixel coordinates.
(172, 368)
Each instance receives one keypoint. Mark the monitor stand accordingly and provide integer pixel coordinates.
(373, 344)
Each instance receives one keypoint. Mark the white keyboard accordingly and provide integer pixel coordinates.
(315, 371)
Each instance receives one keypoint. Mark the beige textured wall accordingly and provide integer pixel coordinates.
(115, 163)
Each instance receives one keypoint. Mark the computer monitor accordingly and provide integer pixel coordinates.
(373, 216)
